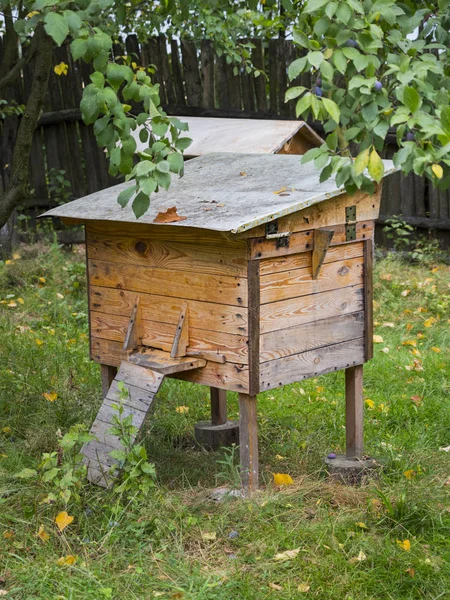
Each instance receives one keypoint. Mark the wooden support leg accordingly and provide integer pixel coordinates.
(218, 406)
(354, 411)
(248, 441)
(107, 375)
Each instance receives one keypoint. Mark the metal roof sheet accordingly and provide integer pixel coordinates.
(220, 192)
(240, 135)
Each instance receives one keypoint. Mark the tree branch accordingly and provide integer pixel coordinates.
(15, 71)
(17, 185)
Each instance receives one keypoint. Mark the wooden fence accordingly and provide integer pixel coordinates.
(193, 81)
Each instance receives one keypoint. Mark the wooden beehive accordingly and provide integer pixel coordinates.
(256, 136)
(266, 281)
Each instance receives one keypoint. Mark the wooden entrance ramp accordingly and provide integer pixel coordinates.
(142, 376)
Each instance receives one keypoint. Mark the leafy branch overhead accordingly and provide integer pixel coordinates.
(376, 65)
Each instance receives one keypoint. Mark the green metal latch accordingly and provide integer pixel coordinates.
(350, 223)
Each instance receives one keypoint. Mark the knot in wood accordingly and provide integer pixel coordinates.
(343, 270)
(141, 247)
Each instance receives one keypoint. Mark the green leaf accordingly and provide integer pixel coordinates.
(332, 109)
(97, 79)
(351, 53)
(163, 166)
(183, 143)
(314, 5)
(160, 129)
(179, 124)
(361, 162)
(148, 185)
(303, 104)
(176, 162)
(411, 99)
(143, 135)
(140, 204)
(142, 118)
(315, 58)
(327, 71)
(26, 474)
(332, 141)
(340, 61)
(73, 21)
(376, 166)
(297, 67)
(78, 48)
(445, 119)
(89, 108)
(56, 27)
(125, 196)
(50, 474)
(144, 168)
(294, 92)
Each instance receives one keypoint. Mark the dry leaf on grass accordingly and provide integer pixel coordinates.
(275, 586)
(70, 559)
(303, 587)
(209, 537)
(377, 339)
(62, 520)
(42, 534)
(282, 479)
(361, 556)
(169, 216)
(287, 555)
(404, 545)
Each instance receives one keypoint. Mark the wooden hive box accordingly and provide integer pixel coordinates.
(267, 281)
(256, 136)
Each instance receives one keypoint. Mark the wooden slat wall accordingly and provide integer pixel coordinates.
(165, 275)
(193, 81)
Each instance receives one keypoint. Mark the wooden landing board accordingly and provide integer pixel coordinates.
(142, 385)
(162, 362)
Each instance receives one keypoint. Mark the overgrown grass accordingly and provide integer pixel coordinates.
(175, 543)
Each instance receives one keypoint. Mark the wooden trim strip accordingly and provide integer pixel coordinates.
(368, 299)
(254, 301)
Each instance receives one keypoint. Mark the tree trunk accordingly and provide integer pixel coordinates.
(16, 187)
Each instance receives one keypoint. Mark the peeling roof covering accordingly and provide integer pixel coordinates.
(220, 192)
(240, 135)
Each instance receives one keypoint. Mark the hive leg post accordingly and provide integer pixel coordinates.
(248, 441)
(107, 375)
(354, 411)
(218, 406)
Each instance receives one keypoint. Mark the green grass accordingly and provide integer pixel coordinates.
(157, 547)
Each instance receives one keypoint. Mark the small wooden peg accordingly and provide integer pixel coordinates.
(133, 336)
(322, 240)
(181, 339)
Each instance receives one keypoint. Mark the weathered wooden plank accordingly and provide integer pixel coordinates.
(248, 441)
(321, 242)
(297, 311)
(247, 85)
(191, 72)
(161, 309)
(304, 337)
(133, 334)
(260, 82)
(177, 74)
(108, 414)
(165, 70)
(273, 76)
(146, 380)
(162, 362)
(260, 247)
(107, 375)
(223, 259)
(207, 73)
(303, 260)
(137, 398)
(218, 406)
(187, 285)
(282, 371)
(368, 299)
(181, 338)
(283, 108)
(254, 320)
(299, 282)
(326, 213)
(161, 336)
(222, 83)
(354, 412)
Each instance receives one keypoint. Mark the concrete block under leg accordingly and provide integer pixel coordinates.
(351, 471)
(214, 436)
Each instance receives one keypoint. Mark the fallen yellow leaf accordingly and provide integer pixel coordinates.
(429, 322)
(11, 304)
(361, 556)
(275, 586)
(361, 525)
(406, 293)
(282, 479)
(42, 534)
(281, 190)
(50, 396)
(388, 324)
(437, 350)
(17, 256)
(409, 326)
(39, 342)
(62, 520)
(409, 343)
(8, 535)
(41, 279)
(377, 339)
(287, 555)
(20, 300)
(182, 409)
(370, 403)
(409, 474)
(209, 537)
(279, 457)
(60, 296)
(404, 545)
(303, 588)
(70, 559)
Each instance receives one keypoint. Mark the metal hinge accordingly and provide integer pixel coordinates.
(272, 233)
(350, 223)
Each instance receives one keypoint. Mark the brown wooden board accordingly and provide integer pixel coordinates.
(304, 337)
(162, 362)
(297, 311)
(303, 259)
(254, 322)
(233, 377)
(178, 284)
(276, 373)
(260, 247)
(298, 282)
(161, 309)
(223, 259)
(368, 298)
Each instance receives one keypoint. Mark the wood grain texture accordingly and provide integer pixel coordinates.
(248, 442)
(276, 373)
(202, 315)
(161, 336)
(327, 213)
(222, 259)
(233, 377)
(186, 285)
(286, 342)
(354, 412)
(303, 259)
(162, 362)
(181, 338)
(218, 406)
(298, 311)
(321, 242)
(299, 282)
(368, 298)
(254, 320)
(260, 247)
(133, 334)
